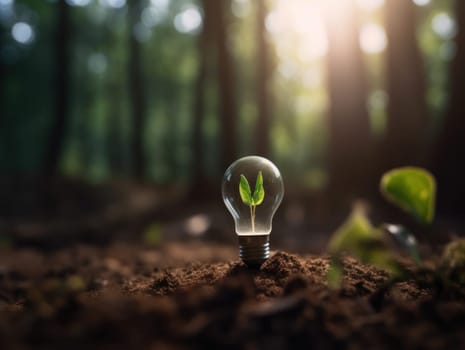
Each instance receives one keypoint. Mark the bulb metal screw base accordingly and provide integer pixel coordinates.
(254, 250)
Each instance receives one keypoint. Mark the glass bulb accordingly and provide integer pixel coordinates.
(252, 191)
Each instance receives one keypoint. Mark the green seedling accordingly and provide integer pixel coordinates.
(411, 189)
(359, 238)
(153, 235)
(453, 261)
(252, 200)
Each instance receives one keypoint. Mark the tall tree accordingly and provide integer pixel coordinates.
(407, 112)
(262, 133)
(115, 129)
(450, 152)
(350, 141)
(137, 91)
(204, 61)
(114, 93)
(54, 147)
(226, 82)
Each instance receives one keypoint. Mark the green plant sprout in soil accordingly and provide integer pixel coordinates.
(413, 190)
(252, 200)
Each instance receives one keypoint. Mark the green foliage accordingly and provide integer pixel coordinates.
(259, 192)
(350, 237)
(453, 261)
(252, 200)
(5, 241)
(246, 194)
(153, 234)
(244, 190)
(360, 239)
(412, 189)
(334, 274)
(75, 283)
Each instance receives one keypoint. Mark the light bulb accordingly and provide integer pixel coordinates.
(252, 191)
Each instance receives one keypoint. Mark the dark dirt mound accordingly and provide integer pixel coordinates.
(129, 296)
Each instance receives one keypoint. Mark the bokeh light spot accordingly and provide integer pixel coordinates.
(378, 100)
(22, 32)
(421, 2)
(78, 3)
(373, 38)
(113, 3)
(197, 225)
(444, 25)
(160, 4)
(188, 21)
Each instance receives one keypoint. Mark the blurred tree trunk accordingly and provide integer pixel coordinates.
(450, 151)
(199, 108)
(407, 122)
(114, 92)
(137, 92)
(262, 132)
(115, 139)
(56, 139)
(350, 140)
(226, 82)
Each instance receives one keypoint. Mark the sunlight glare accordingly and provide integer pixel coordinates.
(298, 30)
(287, 70)
(372, 38)
(312, 78)
(370, 5)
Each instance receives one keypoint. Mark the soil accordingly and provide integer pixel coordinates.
(132, 296)
(115, 275)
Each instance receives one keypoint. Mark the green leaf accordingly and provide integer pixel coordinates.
(453, 261)
(153, 234)
(244, 190)
(259, 193)
(352, 234)
(335, 274)
(411, 189)
(358, 238)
